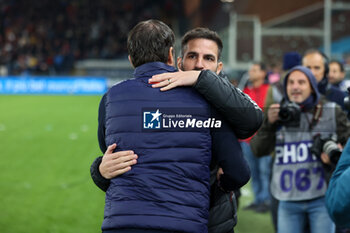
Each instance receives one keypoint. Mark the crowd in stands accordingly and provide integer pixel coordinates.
(46, 37)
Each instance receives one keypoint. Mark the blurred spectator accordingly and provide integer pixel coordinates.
(46, 37)
(337, 74)
(275, 73)
(290, 60)
(318, 63)
(259, 167)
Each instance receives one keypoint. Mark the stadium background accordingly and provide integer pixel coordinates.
(58, 57)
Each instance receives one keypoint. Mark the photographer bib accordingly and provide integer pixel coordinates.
(297, 173)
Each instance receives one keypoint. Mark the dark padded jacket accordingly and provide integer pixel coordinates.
(244, 117)
(331, 92)
(170, 183)
(337, 196)
(241, 113)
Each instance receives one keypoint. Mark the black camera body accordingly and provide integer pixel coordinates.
(328, 146)
(289, 114)
(347, 101)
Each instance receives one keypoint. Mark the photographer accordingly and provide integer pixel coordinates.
(336, 76)
(298, 176)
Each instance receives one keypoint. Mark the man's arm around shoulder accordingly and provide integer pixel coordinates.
(242, 113)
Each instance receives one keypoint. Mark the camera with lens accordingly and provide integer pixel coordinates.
(289, 114)
(347, 102)
(328, 146)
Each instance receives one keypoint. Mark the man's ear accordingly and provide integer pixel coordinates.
(342, 74)
(219, 68)
(171, 58)
(130, 61)
(179, 65)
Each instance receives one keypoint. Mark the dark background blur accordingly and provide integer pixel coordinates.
(70, 37)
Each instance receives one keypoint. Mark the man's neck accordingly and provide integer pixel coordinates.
(338, 82)
(257, 83)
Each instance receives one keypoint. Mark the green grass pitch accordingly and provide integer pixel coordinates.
(47, 144)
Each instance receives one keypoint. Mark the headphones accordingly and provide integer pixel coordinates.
(325, 63)
(324, 57)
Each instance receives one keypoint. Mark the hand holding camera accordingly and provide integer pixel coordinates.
(286, 113)
(327, 146)
(272, 113)
(289, 114)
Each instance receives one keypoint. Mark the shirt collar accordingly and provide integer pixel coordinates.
(152, 68)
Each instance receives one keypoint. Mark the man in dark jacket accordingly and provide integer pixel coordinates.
(203, 73)
(201, 49)
(317, 62)
(336, 75)
(337, 196)
(164, 156)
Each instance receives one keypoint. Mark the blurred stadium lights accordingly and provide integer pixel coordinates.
(327, 27)
(293, 30)
(228, 1)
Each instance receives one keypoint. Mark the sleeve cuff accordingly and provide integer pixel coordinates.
(96, 176)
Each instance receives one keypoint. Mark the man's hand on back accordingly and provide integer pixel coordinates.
(169, 81)
(115, 164)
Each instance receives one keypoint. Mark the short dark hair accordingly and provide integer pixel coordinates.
(260, 64)
(316, 51)
(150, 41)
(201, 33)
(341, 66)
(324, 58)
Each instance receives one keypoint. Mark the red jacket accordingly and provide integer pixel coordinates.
(259, 96)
